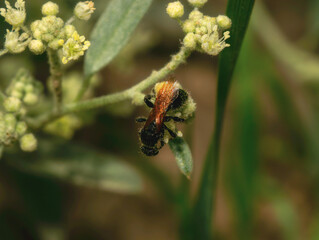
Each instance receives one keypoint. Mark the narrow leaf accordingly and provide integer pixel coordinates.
(79, 165)
(239, 11)
(182, 154)
(112, 32)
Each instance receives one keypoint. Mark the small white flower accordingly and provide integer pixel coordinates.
(16, 43)
(213, 44)
(74, 48)
(14, 16)
(84, 10)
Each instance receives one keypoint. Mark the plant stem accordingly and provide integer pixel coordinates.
(176, 60)
(84, 87)
(70, 20)
(2, 52)
(56, 78)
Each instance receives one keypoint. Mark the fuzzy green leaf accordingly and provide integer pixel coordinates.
(112, 32)
(79, 165)
(183, 155)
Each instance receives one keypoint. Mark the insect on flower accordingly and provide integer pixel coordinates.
(168, 96)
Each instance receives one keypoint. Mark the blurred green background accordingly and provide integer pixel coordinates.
(98, 185)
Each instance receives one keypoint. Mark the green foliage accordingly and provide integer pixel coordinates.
(112, 32)
(242, 167)
(183, 155)
(80, 165)
(239, 11)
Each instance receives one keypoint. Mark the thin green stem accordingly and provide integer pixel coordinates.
(71, 20)
(26, 29)
(84, 87)
(84, 105)
(3, 52)
(56, 78)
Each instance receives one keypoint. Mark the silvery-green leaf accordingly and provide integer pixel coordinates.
(79, 165)
(183, 155)
(112, 32)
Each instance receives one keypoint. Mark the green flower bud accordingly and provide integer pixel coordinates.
(189, 26)
(190, 41)
(175, 9)
(195, 15)
(28, 143)
(12, 104)
(223, 22)
(19, 86)
(29, 88)
(17, 94)
(50, 8)
(10, 122)
(34, 25)
(84, 10)
(37, 47)
(69, 30)
(197, 3)
(30, 99)
(47, 37)
(56, 44)
(21, 128)
(14, 16)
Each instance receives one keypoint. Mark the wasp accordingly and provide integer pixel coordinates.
(168, 96)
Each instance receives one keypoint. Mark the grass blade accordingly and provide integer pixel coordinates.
(239, 11)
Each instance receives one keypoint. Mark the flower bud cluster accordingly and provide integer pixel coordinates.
(203, 33)
(51, 32)
(23, 90)
(206, 34)
(48, 32)
(12, 129)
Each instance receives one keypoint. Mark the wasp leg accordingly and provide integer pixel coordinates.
(162, 144)
(148, 101)
(140, 119)
(176, 119)
(170, 131)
